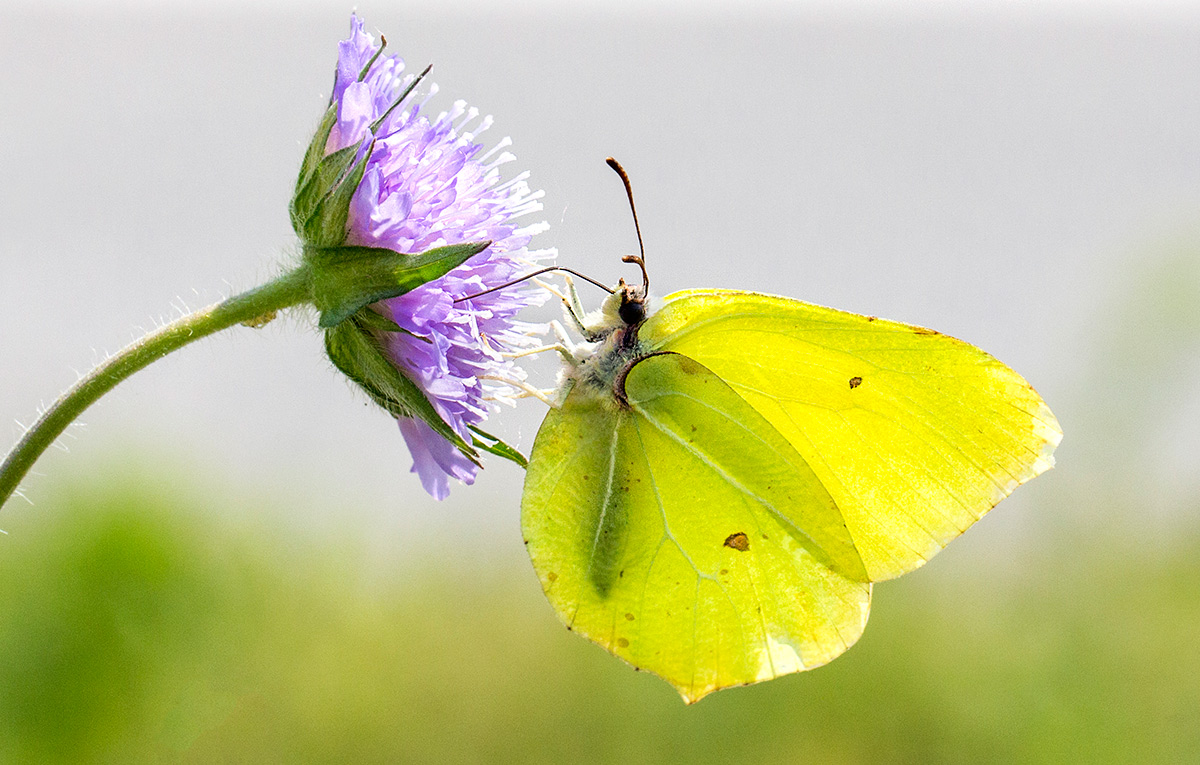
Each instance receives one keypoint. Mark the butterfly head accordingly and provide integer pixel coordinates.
(632, 306)
(625, 307)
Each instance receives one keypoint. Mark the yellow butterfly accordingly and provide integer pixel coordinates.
(729, 472)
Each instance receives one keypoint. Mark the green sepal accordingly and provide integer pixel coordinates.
(316, 150)
(362, 73)
(379, 323)
(330, 174)
(354, 350)
(497, 447)
(399, 99)
(346, 279)
(326, 226)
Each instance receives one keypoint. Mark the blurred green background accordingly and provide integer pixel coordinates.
(231, 562)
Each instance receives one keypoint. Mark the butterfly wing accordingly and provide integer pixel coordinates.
(684, 534)
(915, 434)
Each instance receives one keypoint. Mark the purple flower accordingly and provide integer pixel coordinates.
(428, 183)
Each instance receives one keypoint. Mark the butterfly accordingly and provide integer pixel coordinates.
(729, 472)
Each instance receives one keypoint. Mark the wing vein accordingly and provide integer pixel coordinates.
(782, 519)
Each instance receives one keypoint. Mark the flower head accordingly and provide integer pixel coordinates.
(427, 183)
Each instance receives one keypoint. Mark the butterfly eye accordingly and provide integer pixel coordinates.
(633, 308)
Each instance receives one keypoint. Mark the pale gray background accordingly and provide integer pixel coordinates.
(1001, 172)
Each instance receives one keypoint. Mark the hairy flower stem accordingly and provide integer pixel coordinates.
(251, 307)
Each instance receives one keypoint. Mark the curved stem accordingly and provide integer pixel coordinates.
(250, 307)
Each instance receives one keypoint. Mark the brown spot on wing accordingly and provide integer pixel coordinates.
(855, 382)
(738, 541)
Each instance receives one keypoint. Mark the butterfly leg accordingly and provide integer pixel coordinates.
(566, 301)
(563, 350)
(525, 388)
(574, 309)
(572, 306)
(511, 400)
(575, 304)
(564, 347)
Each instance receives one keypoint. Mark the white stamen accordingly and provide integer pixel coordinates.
(532, 229)
(464, 135)
(504, 143)
(530, 206)
(433, 89)
(504, 158)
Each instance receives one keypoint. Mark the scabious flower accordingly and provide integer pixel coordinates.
(428, 183)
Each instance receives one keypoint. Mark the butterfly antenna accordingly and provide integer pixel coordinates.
(539, 272)
(639, 259)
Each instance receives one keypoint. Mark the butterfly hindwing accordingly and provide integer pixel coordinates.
(914, 434)
(682, 532)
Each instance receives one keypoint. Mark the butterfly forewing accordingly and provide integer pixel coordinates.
(914, 434)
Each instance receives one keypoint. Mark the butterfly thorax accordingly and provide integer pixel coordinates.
(599, 366)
